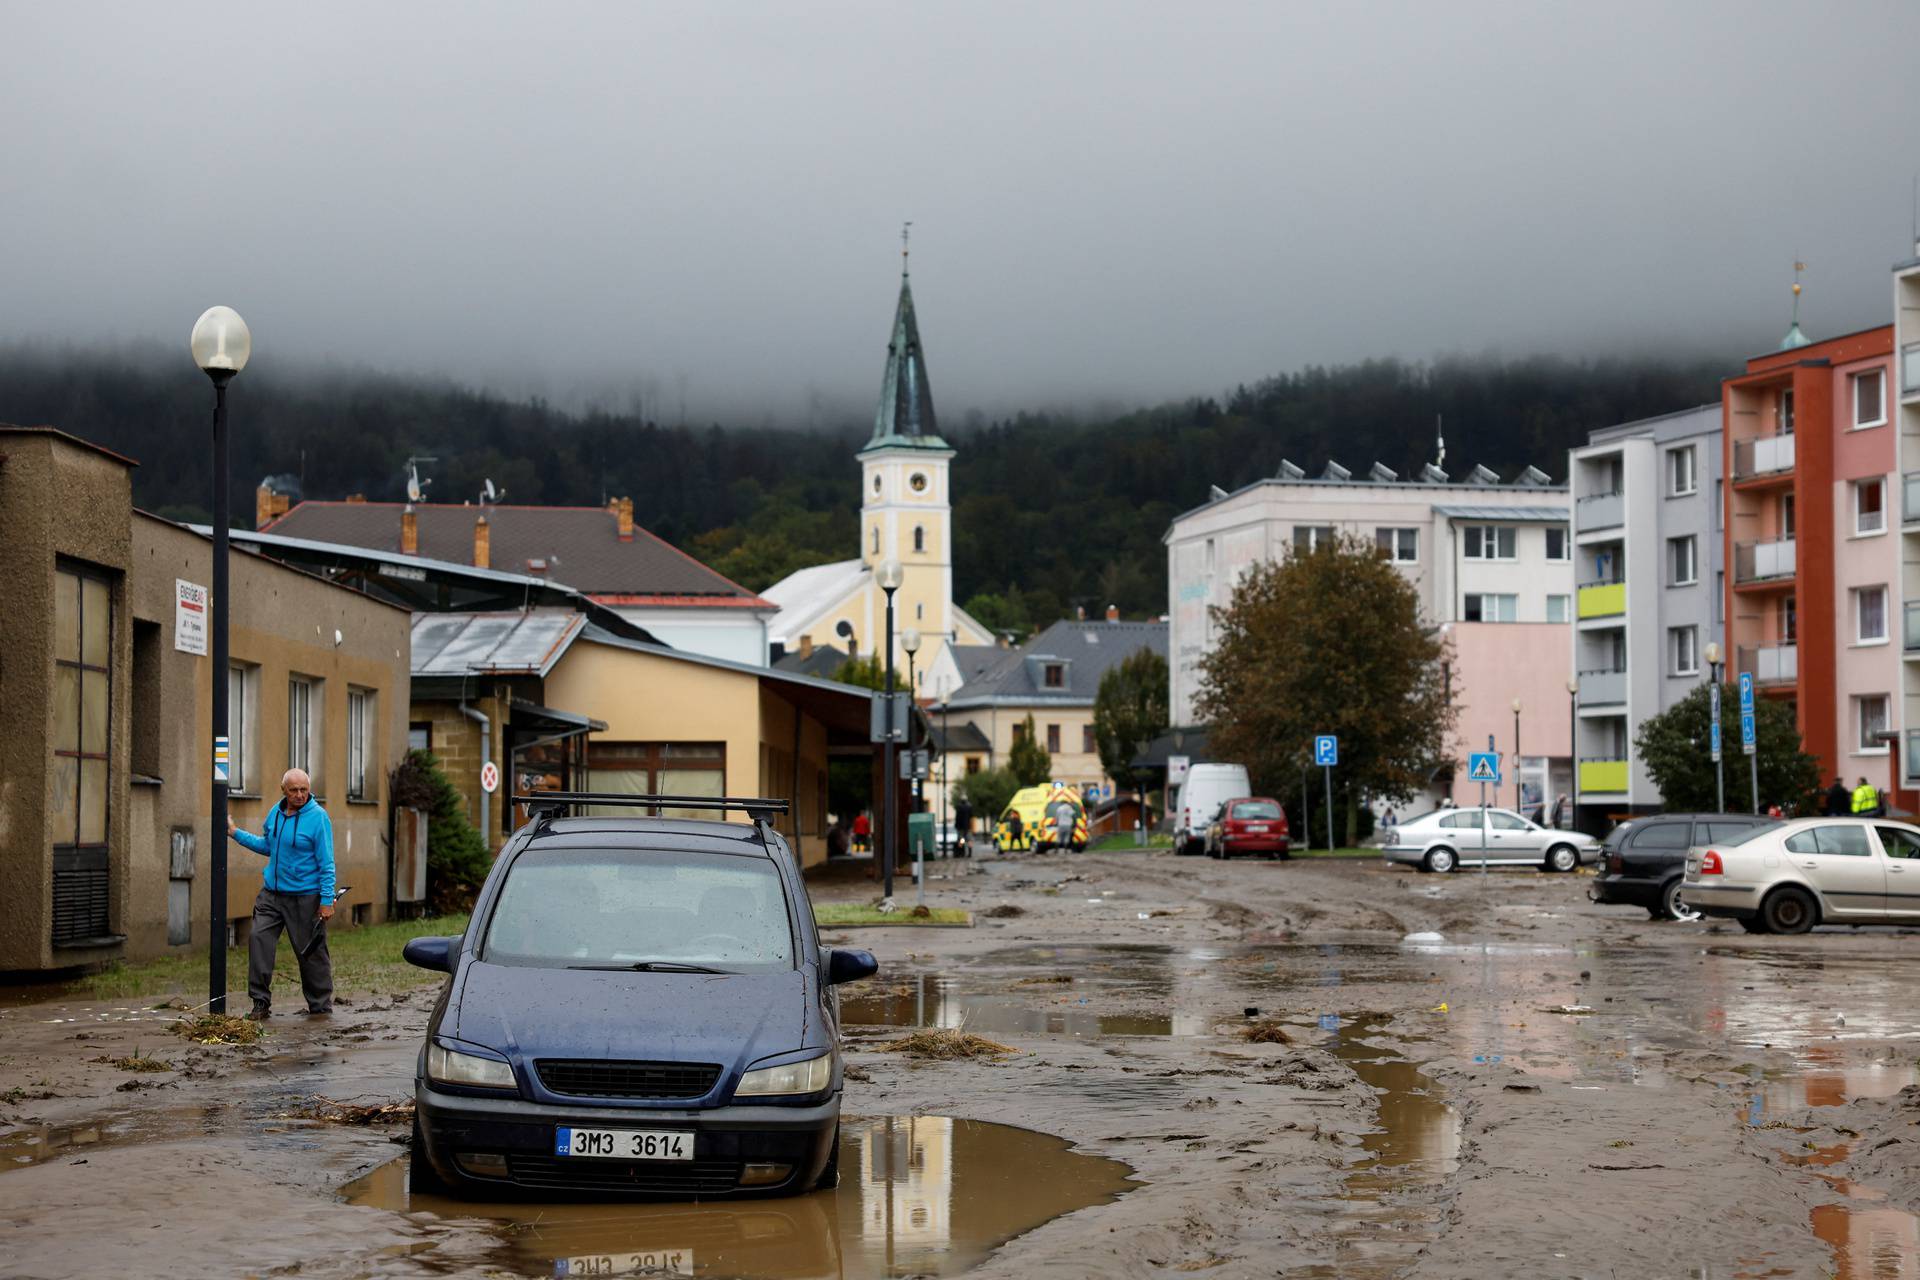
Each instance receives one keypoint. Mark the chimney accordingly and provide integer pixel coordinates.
(623, 508)
(482, 543)
(1005, 640)
(357, 497)
(1080, 613)
(409, 532)
(806, 646)
(268, 506)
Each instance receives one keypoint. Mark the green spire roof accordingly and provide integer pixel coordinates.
(905, 416)
(1796, 338)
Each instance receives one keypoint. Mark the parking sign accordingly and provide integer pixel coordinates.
(1326, 750)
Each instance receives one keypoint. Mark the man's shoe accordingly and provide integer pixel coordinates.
(259, 1013)
(320, 1013)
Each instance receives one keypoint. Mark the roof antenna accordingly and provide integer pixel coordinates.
(1440, 439)
(416, 487)
(906, 229)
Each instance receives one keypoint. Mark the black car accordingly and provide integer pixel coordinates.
(640, 1006)
(1643, 860)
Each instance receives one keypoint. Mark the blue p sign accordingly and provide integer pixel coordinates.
(1326, 750)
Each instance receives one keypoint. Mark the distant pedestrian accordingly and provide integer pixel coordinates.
(1839, 800)
(1560, 806)
(1775, 811)
(862, 833)
(963, 819)
(1866, 800)
(296, 895)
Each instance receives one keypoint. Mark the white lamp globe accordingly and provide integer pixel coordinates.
(221, 342)
(890, 575)
(910, 640)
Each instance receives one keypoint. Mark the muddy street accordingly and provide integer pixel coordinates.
(1312, 1068)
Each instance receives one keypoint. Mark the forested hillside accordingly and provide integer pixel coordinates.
(1050, 511)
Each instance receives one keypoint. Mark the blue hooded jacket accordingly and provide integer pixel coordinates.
(298, 847)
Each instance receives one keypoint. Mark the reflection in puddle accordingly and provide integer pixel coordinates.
(918, 1195)
(1827, 1081)
(931, 1000)
(37, 1144)
(1869, 1244)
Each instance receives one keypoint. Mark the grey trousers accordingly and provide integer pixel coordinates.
(298, 914)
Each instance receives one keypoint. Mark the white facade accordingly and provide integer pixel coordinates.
(732, 634)
(1906, 378)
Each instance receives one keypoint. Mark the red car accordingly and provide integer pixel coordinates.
(1252, 824)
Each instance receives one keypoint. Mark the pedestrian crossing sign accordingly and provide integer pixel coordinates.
(1483, 766)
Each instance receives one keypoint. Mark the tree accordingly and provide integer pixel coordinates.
(1028, 761)
(988, 791)
(1129, 711)
(868, 673)
(457, 858)
(1328, 641)
(1676, 748)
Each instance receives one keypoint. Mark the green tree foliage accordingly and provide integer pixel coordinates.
(457, 858)
(868, 672)
(1676, 748)
(988, 791)
(1328, 641)
(1053, 510)
(1129, 711)
(1000, 614)
(1028, 761)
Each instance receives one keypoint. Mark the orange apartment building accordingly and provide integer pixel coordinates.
(1811, 546)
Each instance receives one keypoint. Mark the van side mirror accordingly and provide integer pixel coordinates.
(850, 966)
(432, 953)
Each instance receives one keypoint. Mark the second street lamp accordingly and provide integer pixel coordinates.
(1573, 750)
(221, 345)
(910, 645)
(1713, 730)
(1517, 807)
(889, 575)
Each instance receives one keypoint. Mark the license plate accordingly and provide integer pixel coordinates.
(623, 1144)
(666, 1262)
(1257, 829)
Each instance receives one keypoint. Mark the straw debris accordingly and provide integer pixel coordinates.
(218, 1028)
(946, 1044)
(135, 1061)
(329, 1111)
(1266, 1032)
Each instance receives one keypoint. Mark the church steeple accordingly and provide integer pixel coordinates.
(905, 416)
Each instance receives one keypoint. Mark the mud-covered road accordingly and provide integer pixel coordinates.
(1550, 1089)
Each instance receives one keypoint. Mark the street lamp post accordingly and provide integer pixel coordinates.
(889, 575)
(221, 345)
(946, 800)
(1573, 750)
(1713, 700)
(1516, 756)
(910, 645)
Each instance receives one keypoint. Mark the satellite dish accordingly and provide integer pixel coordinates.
(491, 495)
(844, 629)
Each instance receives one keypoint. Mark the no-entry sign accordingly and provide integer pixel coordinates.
(489, 777)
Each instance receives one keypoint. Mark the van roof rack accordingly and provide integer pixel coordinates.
(547, 805)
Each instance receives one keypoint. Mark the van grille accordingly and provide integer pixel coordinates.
(603, 1079)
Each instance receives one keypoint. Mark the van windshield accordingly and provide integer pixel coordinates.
(628, 909)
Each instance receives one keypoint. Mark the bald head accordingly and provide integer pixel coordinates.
(297, 787)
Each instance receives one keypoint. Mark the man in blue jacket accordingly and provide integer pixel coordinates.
(296, 895)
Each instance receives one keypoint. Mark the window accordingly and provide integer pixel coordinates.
(920, 612)
(82, 715)
(1870, 715)
(1053, 739)
(148, 647)
(1557, 545)
(919, 537)
(1660, 835)
(1789, 620)
(420, 735)
(1787, 509)
(973, 765)
(1722, 832)
(1500, 820)
(917, 482)
(1559, 608)
(659, 769)
(1682, 568)
(1493, 608)
(1870, 505)
(1719, 504)
(1056, 675)
(302, 694)
(1489, 542)
(1899, 842)
(1402, 546)
(1834, 842)
(360, 727)
(1870, 615)
(243, 703)
(1681, 477)
(1311, 537)
(1719, 595)
(876, 539)
(1870, 398)
(1684, 644)
(1783, 412)
(1088, 746)
(876, 484)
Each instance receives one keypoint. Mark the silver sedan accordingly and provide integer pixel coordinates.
(1448, 838)
(1786, 877)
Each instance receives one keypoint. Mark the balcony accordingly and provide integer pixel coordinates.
(1603, 599)
(1910, 369)
(1603, 777)
(1762, 456)
(1763, 561)
(1599, 511)
(1911, 633)
(1603, 688)
(1910, 755)
(1770, 664)
(1910, 498)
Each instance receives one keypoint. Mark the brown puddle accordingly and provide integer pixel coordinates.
(39, 1143)
(932, 1000)
(918, 1195)
(1869, 1243)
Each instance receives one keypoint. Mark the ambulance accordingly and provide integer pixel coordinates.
(1052, 816)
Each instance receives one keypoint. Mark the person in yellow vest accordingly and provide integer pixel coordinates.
(1866, 800)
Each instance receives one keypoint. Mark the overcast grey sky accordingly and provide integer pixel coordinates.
(1111, 201)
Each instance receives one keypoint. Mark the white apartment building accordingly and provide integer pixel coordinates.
(1492, 564)
(1906, 354)
(1648, 517)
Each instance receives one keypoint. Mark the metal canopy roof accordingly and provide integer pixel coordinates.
(458, 644)
(1503, 513)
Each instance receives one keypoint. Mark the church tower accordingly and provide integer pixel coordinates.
(906, 510)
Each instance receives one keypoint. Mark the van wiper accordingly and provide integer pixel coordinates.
(650, 966)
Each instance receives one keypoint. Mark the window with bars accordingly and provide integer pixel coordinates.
(82, 716)
(303, 700)
(360, 721)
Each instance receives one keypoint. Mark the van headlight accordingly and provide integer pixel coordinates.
(450, 1066)
(810, 1076)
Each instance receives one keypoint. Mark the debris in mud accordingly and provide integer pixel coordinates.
(1268, 1032)
(1044, 980)
(1521, 1088)
(854, 1071)
(218, 1028)
(135, 1061)
(921, 912)
(1004, 911)
(1572, 1010)
(328, 1111)
(946, 1043)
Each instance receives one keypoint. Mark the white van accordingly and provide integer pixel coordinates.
(1208, 786)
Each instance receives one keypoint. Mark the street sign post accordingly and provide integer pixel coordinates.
(1747, 735)
(1483, 767)
(1719, 768)
(1326, 754)
(489, 777)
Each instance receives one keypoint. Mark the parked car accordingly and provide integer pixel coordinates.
(1447, 838)
(1208, 786)
(639, 1006)
(1644, 861)
(1786, 877)
(1248, 825)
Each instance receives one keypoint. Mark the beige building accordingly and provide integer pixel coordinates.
(105, 711)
